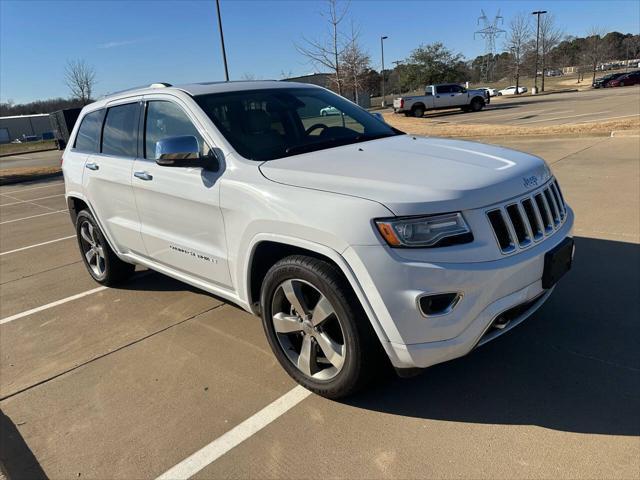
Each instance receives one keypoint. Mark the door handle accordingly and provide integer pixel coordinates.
(143, 175)
(92, 166)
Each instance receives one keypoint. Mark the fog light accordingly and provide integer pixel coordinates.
(438, 304)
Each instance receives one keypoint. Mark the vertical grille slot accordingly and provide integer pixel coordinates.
(536, 227)
(560, 193)
(501, 231)
(552, 205)
(544, 213)
(559, 202)
(519, 226)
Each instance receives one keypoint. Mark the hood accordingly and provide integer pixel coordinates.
(415, 175)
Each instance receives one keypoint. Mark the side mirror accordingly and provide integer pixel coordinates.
(184, 151)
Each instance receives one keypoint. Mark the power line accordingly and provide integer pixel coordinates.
(489, 32)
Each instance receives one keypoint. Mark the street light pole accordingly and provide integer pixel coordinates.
(382, 39)
(224, 53)
(538, 13)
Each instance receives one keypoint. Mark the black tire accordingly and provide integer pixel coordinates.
(417, 112)
(477, 104)
(362, 353)
(622, 84)
(109, 269)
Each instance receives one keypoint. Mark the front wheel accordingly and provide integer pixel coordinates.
(102, 263)
(316, 328)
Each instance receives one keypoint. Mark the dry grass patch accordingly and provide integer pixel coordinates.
(424, 126)
(23, 174)
(17, 148)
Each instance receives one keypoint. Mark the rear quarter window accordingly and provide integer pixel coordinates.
(88, 137)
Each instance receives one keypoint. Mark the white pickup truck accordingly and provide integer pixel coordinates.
(440, 97)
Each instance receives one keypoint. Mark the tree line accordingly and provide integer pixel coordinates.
(340, 53)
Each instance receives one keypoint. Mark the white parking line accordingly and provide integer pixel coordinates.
(20, 315)
(234, 437)
(29, 201)
(17, 190)
(37, 245)
(32, 216)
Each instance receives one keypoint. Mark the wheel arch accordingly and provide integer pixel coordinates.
(267, 249)
(76, 203)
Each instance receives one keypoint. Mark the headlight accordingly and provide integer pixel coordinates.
(431, 231)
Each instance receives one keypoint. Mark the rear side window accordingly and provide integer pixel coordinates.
(164, 120)
(119, 136)
(443, 88)
(88, 138)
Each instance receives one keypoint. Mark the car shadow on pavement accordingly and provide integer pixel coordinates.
(16, 459)
(572, 366)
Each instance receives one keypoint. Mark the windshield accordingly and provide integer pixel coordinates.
(272, 123)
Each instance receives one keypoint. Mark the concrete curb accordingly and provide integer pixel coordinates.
(633, 133)
(26, 153)
(27, 178)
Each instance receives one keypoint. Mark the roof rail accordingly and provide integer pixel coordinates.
(160, 85)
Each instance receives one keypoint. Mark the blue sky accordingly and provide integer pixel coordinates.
(135, 43)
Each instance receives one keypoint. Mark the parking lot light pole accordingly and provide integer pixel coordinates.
(224, 53)
(535, 81)
(382, 39)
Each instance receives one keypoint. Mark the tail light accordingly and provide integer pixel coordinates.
(402, 103)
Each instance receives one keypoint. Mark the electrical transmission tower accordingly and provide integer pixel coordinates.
(489, 32)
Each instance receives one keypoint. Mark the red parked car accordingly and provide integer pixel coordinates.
(632, 78)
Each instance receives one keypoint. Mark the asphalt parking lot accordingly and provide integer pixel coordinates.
(129, 382)
(556, 109)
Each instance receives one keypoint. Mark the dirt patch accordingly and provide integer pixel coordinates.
(23, 174)
(422, 126)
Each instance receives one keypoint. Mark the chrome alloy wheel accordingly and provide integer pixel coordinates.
(92, 249)
(308, 329)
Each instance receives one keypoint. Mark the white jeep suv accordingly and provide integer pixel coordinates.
(353, 241)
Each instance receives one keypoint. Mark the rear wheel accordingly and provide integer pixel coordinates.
(102, 263)
(477, 104)
(316, 327)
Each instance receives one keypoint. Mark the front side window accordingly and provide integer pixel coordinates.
(119, 136)
(165, 120)
(88, 138)
(273, 123)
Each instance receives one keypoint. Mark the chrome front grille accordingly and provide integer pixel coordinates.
(529, 219)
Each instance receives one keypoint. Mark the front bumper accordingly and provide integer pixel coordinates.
(392, 284)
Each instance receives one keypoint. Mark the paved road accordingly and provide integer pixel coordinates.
(50, 158)
(128, 382)
(556, 109)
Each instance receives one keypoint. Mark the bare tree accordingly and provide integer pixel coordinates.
(80, 77)
(248, 76)
(518, 42)
(595, 49)
(550, 36)
(326, 52)
(355, 63)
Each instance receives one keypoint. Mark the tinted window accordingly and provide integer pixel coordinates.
(119, 135)
(273, 123)
(443, 88)
(88, 137)
(164, 120)
(456, 89)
